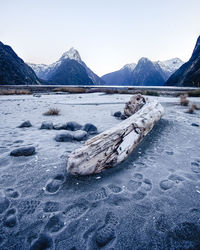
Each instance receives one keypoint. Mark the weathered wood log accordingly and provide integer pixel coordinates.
(114, 145)
(131, 107)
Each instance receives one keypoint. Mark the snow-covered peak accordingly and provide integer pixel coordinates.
(170, 65)
(143, 60)
(71, 54)
(129, 66)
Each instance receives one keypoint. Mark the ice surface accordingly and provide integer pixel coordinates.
(151, 201)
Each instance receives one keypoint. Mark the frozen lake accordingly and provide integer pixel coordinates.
(151, 201)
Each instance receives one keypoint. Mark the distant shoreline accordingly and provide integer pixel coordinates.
(145, 90)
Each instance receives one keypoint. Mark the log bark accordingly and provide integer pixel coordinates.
(114, 145)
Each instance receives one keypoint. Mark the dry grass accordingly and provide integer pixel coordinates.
(194, 93)
(52, 111)
(71, 90)
(14, 92)
(195, 107)
(79, 90)
(183, 100)
(192, 108)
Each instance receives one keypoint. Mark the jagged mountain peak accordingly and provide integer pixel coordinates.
(129, 66)
(72, 54)
(144, 60)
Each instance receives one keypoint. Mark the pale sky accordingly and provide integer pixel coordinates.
(107, 33)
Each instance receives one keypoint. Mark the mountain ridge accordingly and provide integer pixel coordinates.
(124, 75)
(45, 72)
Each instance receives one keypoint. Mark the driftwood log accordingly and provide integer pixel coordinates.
(114, 145)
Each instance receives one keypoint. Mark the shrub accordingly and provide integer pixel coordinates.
(183, 100)
(194, 93)
(52, 111)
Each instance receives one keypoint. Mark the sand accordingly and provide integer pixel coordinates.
(151, 201)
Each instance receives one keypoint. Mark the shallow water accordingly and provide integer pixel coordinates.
(151, 201)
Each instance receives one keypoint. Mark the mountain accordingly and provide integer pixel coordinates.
(13, 70)
(170, 66)
(145, 72)
(120, 77)
(76, 71)
(189, 73)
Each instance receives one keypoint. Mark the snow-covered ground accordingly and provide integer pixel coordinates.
(151, 201)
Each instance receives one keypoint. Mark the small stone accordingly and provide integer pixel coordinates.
(195, 125)
(59, 127)
(47, 125)
(123, 117)
(73, 126)
(117, 114)
(64, 137)
(90, 128)
(24, 151)
(80, 135)
(25, 124)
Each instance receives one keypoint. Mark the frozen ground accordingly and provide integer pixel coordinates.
(151, 201)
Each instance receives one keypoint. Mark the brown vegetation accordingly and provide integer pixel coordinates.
(192, 108)
(194, 93)
(183, 100)
(71, 90)
(15, 92)
(52, 111)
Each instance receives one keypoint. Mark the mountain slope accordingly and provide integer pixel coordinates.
(70, 72)
(162, 71)
(170, 66)
(189, 73)
(147, 73)
(47, 71)
(13, 70)
(120, 77)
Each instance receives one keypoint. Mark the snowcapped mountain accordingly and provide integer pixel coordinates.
(46, 72)
(170, 66)
(120, 77)
(145, 72)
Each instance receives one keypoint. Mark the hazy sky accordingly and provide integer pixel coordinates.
(107, 33)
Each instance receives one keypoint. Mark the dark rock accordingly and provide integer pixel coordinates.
(47, 125)
(67, 137)
(90, 128)
(73, 126)
(25, 124)
(60, 126)
(123, 117)
(36, 95)
(80, 135)
(117, 114)
(25, 151)
(195, 125)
